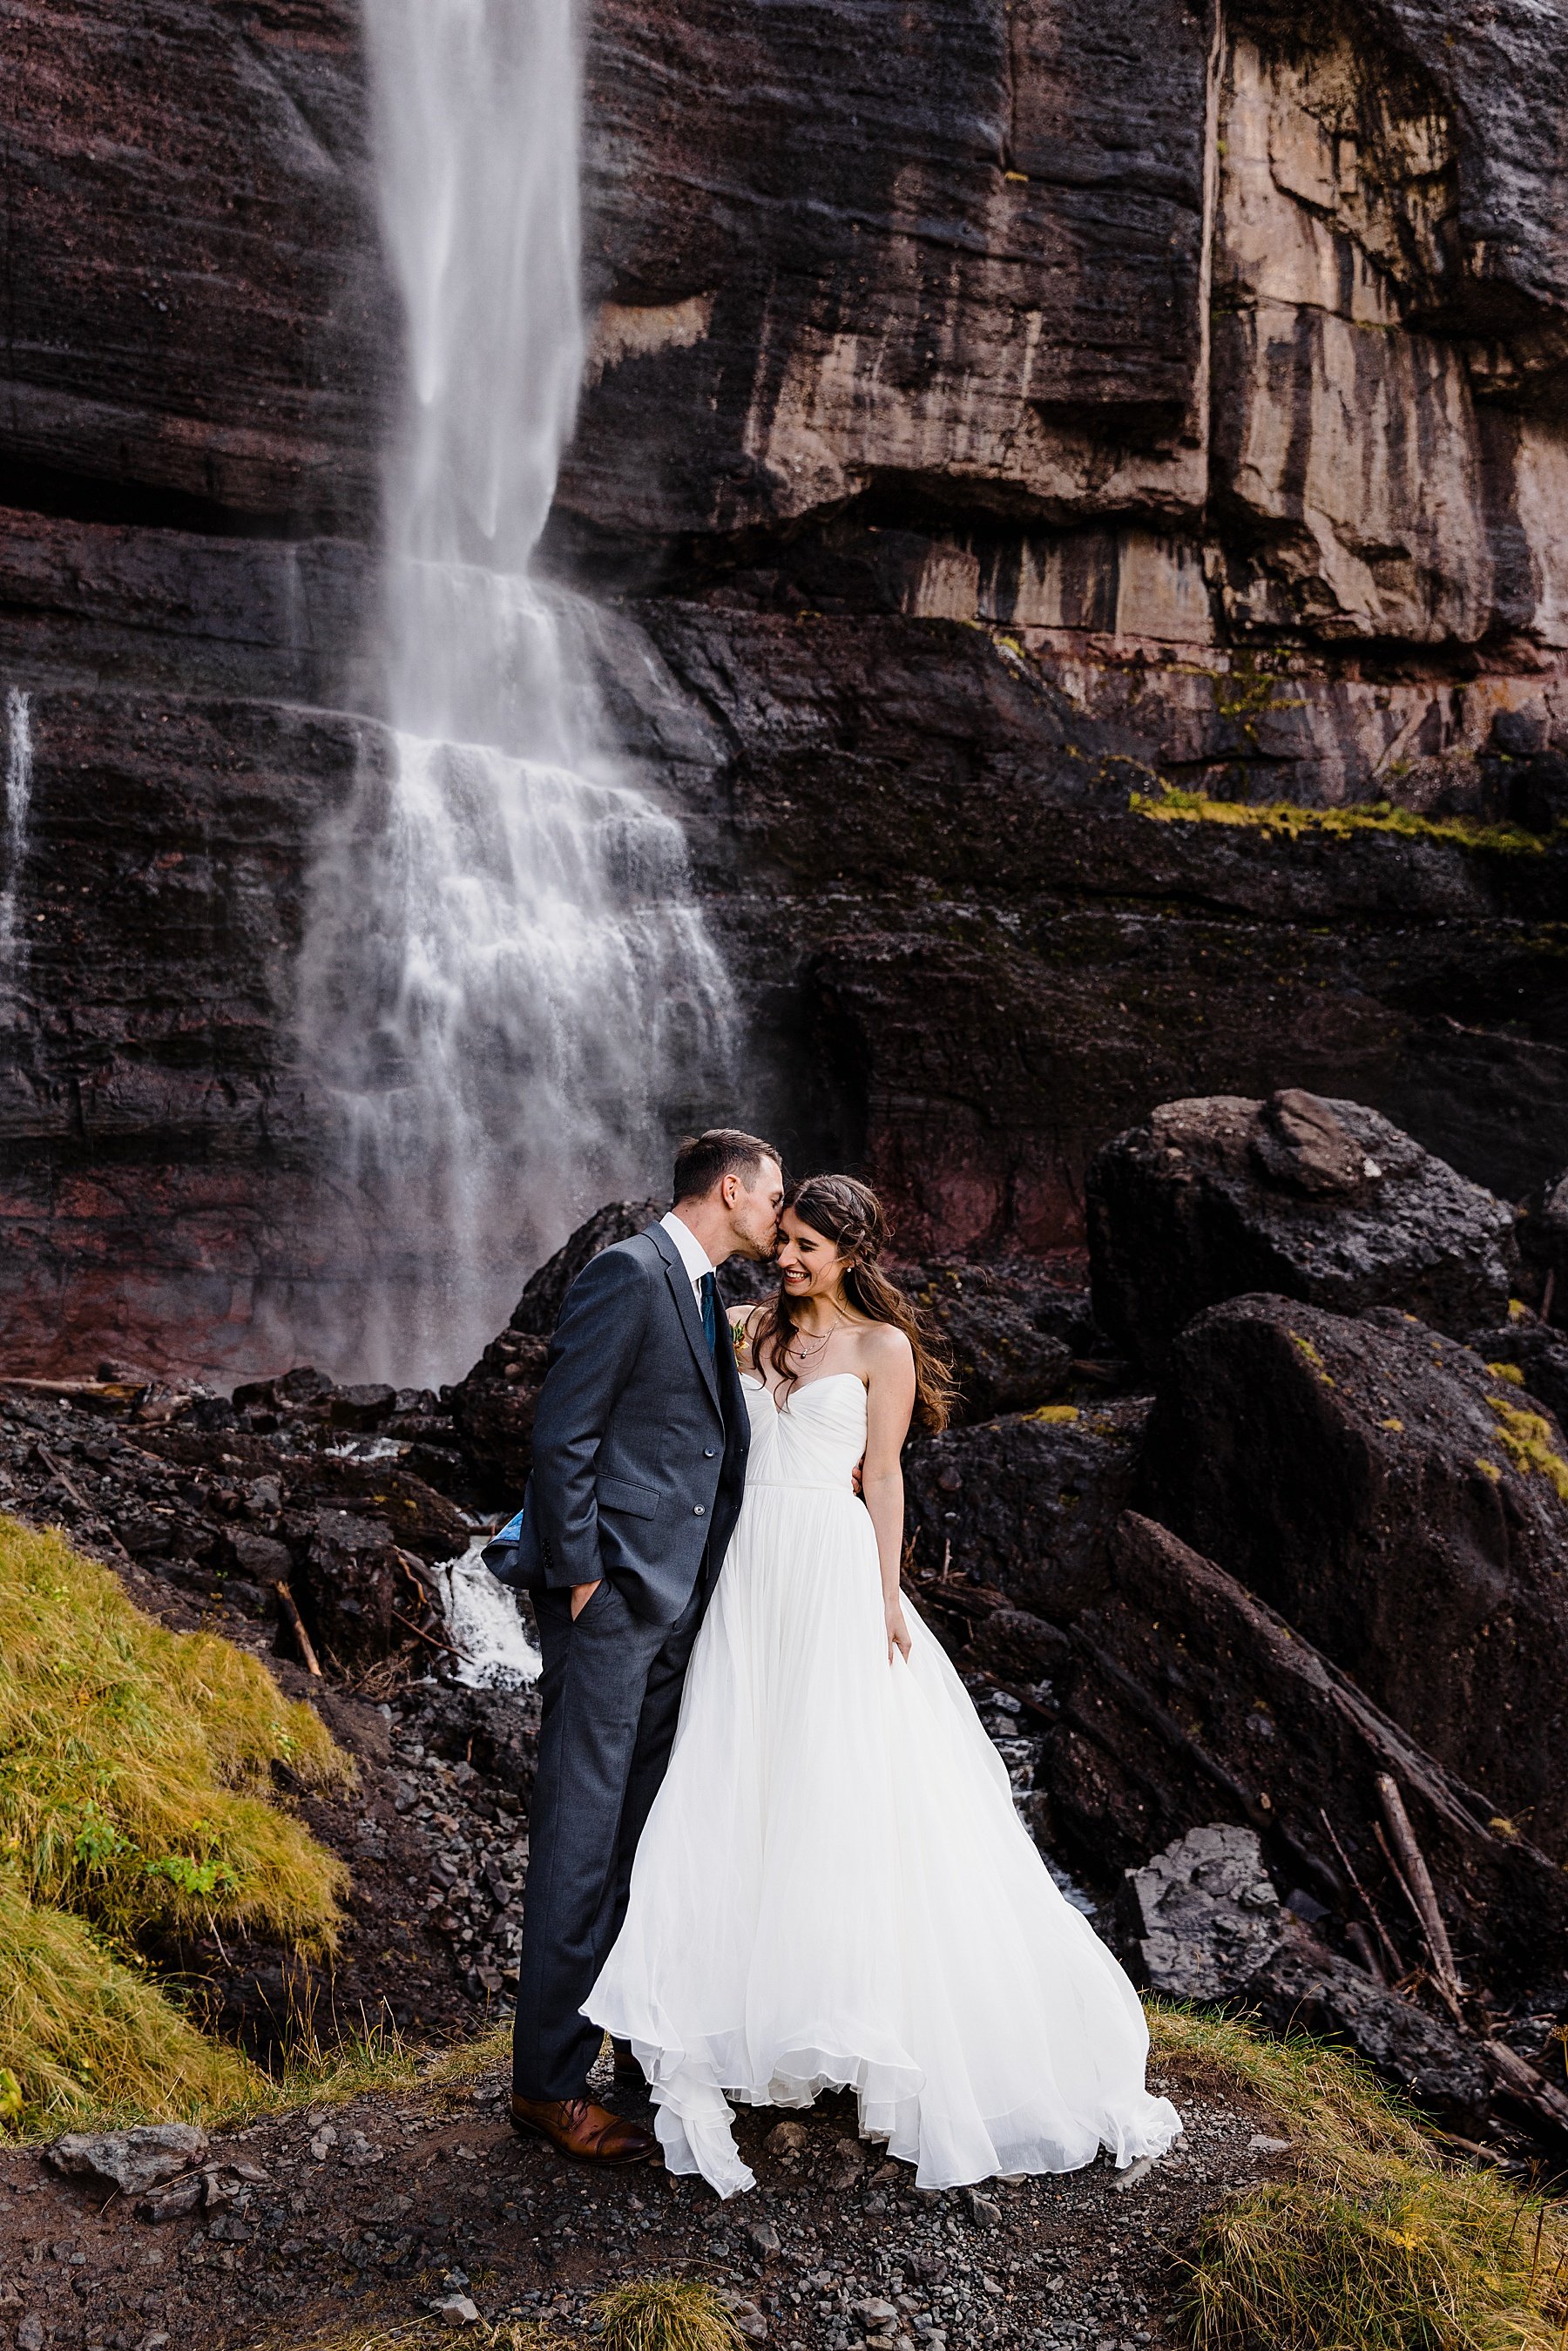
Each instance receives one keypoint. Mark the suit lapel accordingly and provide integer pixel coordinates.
(681, 1290)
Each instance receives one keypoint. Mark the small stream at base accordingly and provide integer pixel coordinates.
(485, 1624)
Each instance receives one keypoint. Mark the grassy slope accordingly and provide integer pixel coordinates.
(135, 1766)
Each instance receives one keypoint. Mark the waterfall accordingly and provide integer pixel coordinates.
(18, 798)
(505, 983)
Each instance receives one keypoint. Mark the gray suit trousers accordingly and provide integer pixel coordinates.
(611, 1688)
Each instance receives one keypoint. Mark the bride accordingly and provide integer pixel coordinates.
(833, 1889)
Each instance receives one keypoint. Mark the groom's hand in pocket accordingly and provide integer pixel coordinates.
(581, 1594)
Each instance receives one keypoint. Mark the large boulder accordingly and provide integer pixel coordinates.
(1405, 1506)
(1024, 1505)
(1319, 1201)
(493, 1405)
(1008, 1329)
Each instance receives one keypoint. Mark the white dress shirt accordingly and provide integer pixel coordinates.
(693, 1257)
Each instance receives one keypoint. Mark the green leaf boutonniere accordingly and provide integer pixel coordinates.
(737, 1337)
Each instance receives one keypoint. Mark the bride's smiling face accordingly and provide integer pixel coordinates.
(809, 1264)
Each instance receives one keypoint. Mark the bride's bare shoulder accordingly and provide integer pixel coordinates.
(884, 1347)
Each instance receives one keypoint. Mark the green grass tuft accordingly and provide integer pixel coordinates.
(85, 2039)
(666, 2314)
(138, 1764)
(1376, 2243)
(1437, 2261)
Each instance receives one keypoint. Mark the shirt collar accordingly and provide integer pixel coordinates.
(693, 1257)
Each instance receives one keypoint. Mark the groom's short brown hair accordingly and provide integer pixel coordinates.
(703, 1160)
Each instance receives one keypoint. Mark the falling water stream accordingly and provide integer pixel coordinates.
(506, 985)
(14, 855)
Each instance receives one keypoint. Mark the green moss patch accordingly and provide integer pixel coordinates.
(1173, 805)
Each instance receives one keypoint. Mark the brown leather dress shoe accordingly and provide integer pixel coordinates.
(579, 2127)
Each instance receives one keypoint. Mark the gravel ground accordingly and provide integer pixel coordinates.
(370, 2212)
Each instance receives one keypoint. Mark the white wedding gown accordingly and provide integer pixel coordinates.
(833, 1888)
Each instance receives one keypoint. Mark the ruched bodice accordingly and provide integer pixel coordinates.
(814, 1441)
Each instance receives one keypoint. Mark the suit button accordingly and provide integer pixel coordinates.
(707, 1452)
(698, 1512)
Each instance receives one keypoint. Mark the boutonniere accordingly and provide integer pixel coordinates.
(737, 1337)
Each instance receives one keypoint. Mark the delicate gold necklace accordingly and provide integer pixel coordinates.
(809, 1351)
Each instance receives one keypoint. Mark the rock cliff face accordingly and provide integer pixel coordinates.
(1013, 439)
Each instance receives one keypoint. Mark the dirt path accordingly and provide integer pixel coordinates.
(370, 2211)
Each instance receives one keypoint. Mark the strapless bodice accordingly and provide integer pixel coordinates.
(815, 1441)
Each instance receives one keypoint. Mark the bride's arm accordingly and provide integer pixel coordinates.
(890, 1402)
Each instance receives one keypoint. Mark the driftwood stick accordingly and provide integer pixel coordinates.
(296, 1621)
(1367, 1951)
(430, 1637)
(1397, 1875)
(1413, 1862)
(1367, 1903)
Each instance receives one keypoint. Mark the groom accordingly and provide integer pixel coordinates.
(639, 1462)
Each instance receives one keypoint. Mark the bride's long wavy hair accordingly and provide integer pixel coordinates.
(849, 1215)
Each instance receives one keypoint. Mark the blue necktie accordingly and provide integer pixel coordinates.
(710, 1312)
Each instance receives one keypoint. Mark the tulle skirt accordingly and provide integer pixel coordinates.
(834, 1890)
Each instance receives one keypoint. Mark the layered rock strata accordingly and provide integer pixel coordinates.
(1006, 447)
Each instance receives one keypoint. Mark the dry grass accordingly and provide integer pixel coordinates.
(138, 1764)
(423, 2334)
(666, 2315)
(1376, 2243)
(84, 2038)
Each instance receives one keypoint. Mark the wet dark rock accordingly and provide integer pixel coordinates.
(1307, 1989)
(537, 1309)
(1177, 1700)
(999, 1326)
(496, 1732)
(1542, 1232)
(1402, 1506)
(1026, 1504)
(1325, 1201)
(131, 2160)
(1202, 1918)
(364, 1407)
(351, 1586)
(1537, 1352)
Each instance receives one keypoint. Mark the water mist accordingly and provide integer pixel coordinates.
(506, 985)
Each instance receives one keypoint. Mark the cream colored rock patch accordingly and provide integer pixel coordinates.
(626, 331)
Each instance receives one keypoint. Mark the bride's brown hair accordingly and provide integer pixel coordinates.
(849, 1215)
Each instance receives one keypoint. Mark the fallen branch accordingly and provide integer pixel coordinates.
(1383, 1936)
(430, 1637)
(1423, 1893)
(66, 1486)
(112, 1392)
(291, 1610)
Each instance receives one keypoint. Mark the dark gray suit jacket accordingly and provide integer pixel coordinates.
(639, 1438)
